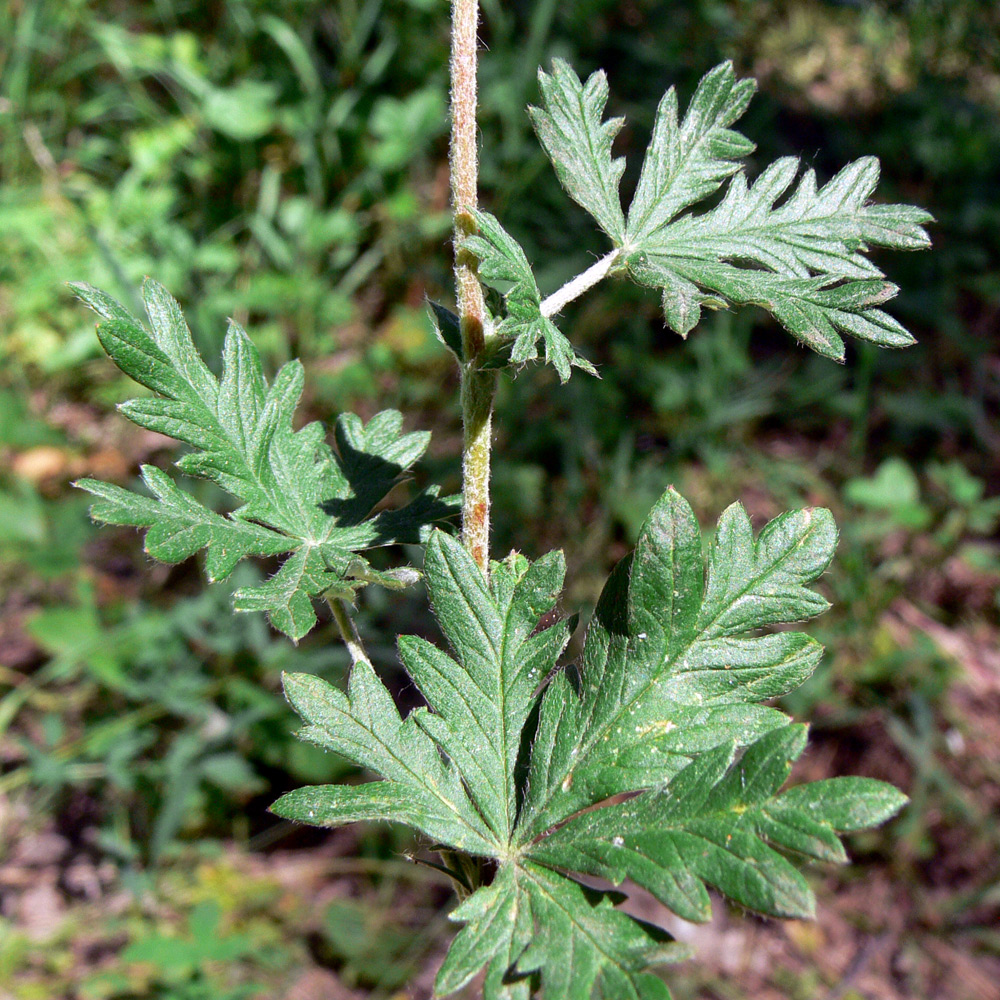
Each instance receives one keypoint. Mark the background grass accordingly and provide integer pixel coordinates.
(285, 163)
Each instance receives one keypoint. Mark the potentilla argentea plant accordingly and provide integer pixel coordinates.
(655, 758)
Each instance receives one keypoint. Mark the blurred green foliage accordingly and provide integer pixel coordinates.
(182, 718)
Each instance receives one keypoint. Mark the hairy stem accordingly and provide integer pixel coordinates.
(478, 388)
(581, 283)
(349, 631)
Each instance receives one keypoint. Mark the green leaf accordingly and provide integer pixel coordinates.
(501, 259)
(713, 824)
(287, 596)
(365, 727)
(243, 113)
(583, 946)
(668, 670)
(533, 923)
(894, 486)
(846, 804)
(498, 927)
(178, 526)
(813, 231)
(481, 696)
(479, 700)
(373, 801)
(803, 261)
(673, 841)
(294, 494)
(628, 767)
(687, 161)
(448, 328)
(798, 252)
(570, 128)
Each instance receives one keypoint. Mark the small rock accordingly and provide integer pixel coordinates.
(41, 464)
(45, 848)
(40, 911)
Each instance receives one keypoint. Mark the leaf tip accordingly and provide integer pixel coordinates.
(891, 802)
(294, 683)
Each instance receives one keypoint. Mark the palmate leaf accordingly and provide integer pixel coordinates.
(295, 494)
(514, 761)
(798, 253)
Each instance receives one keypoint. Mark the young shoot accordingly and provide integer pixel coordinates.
(657, 756)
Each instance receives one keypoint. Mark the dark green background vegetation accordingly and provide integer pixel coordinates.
(285, 163)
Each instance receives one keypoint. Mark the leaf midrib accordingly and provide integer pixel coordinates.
(596, 943)
(699, 232)
(215, 426)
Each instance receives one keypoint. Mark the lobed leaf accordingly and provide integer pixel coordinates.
(365, 727)
(296, 496)
(178, 526)
(803, 261)
(658, 764)
(534, 924)
(479, 698)
(687, 161)
(667, 670)
(713, 825)
(570, 128)
(482, 695)
(799, 252)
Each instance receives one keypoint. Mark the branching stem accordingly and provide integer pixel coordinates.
(478, 388)
(573, 289)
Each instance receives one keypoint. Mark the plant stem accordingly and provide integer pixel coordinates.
(478, 387)
(577, 286)
(349, 631)
(478, 391)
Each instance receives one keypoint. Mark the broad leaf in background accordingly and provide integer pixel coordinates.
(513, 761)
(297, 496)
